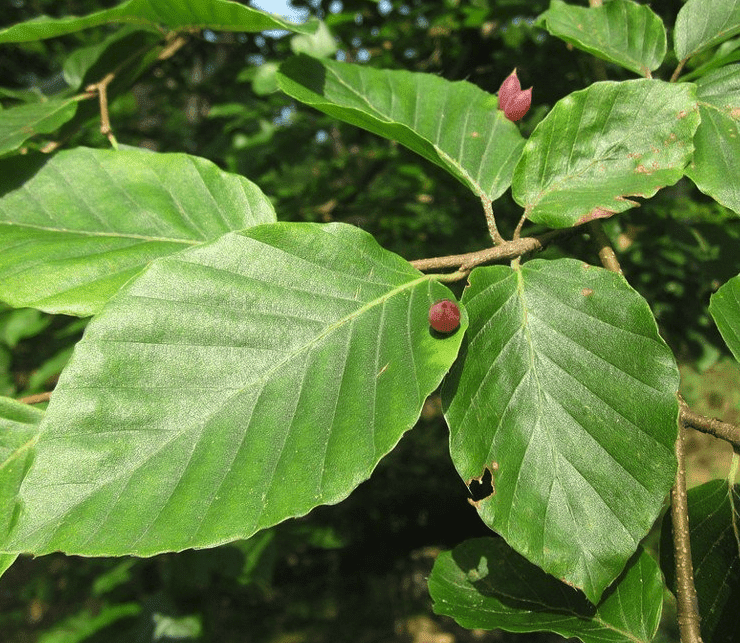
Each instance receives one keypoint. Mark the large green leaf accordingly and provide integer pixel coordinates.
(231, 386)
(74, 227)
(714, 524)
(603, 144)
(220, 15)
(621, 31)
(483, 584)
(701, 24)
(18, 124)
(566, 394)
(724, 306)
(716, 163)
(453, 124)
(19, 427)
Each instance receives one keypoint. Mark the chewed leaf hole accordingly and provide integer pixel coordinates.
(482, 487)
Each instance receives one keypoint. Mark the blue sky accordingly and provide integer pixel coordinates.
(280, 7)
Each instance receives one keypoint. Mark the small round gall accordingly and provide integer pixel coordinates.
(444, 316)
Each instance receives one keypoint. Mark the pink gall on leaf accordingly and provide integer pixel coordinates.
(512, 100)
(518, 106)
(444, 316)
(509, 88)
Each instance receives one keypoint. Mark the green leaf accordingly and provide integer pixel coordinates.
(50, 368)
(91, 64)
(483, 584)
(701, 24)
(602, 144)
(232, 386)
(264, 81)
(319, 45)
(717, 141)
(455, 125)
(31, 95)
(565, 393)
(728, 52)
(621, 31)
(6, 560)
(18, 124)
(714, 522)
(17, 325)
(219, 15)
(19, 426)
(724, 306)
(173, 627)
(74, 227)
(79, 627)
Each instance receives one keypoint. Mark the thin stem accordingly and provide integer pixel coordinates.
(174, 42)
(35, 399)
(452, 276)
(719, 429)
(491, 220)
(606, 252)
(518, 229)
(101, 88)
(688, 612)
(678, 70)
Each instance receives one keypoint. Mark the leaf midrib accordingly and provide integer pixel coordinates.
(97, 233)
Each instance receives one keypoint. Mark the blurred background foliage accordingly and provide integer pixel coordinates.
(356, 571)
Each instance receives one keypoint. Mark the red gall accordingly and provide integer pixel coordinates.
(512, 99)
(444, 316)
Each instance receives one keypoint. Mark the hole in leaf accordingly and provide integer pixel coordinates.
(482, 487)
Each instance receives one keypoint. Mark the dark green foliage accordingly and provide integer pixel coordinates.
(355, 571)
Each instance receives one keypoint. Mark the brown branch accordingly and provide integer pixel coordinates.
(506, 250)
(679, 69)
(606, 252)
(518, 229)
(174, 43)
(35, 399)
(101, 88)
(719, 429)
(686, 603)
